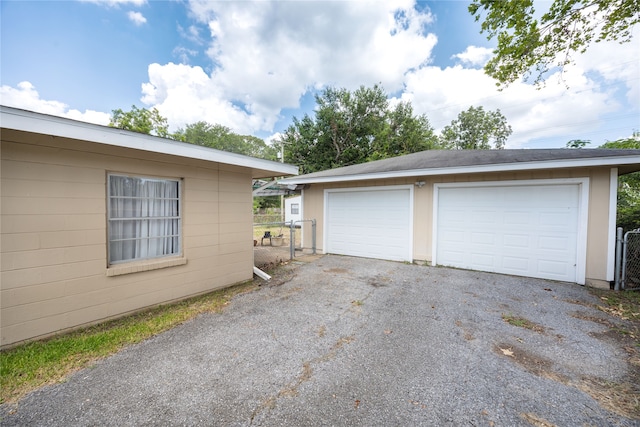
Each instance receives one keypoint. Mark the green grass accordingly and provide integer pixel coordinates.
(521, 322)
(32, 365)
(258, 232)
(625, 305)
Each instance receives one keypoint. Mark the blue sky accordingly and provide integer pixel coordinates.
(251, 66)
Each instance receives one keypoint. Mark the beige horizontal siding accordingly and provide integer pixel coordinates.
(53, 273)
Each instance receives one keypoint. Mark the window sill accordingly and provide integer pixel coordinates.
(146, 265)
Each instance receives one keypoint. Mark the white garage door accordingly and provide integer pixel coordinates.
(371, 223)
(527, 230)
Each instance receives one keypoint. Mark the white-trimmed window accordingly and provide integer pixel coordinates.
(144, 218)
(295, 208)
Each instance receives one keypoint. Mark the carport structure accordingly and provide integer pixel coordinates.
(538, 213)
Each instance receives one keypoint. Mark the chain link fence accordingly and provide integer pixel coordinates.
(271, 244)
(631, 260)
(278, 242)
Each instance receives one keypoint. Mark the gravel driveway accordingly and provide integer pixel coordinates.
(351, 341)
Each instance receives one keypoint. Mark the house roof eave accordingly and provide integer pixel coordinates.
(29, 121)
(629, 163)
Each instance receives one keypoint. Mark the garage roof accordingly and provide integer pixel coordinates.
(447, 162)
(29, 121)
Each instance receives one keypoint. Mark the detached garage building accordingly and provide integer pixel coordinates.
(538, 213)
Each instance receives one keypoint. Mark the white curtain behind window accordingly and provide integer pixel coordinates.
(144, 218)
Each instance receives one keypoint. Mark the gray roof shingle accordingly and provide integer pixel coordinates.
(461, 159)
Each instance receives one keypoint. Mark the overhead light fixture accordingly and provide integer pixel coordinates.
(420, 184)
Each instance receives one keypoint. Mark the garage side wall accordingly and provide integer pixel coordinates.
(598, 213)
(54, 272)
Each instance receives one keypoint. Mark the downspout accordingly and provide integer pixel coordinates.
(618, 265)
(261, 274)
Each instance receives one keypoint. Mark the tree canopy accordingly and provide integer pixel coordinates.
(476, 129)
(354, 127)
(628, 216)
(200, 133)
(222, 138)
(140, 120)
(578, 143)
(532, 44)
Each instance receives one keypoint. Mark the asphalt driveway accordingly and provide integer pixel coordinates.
(351, 341)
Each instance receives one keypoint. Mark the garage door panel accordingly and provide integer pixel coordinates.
(553, 268)
(482, 261)
(528, 230)
(452, 236)
(556, 219)
(515, 265)
(515, 241)
(480, 238)
(374, 223)
(455, 258)
(484, 217)
(516, 218)
(554, 243)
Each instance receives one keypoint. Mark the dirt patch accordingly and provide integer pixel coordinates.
(336, 270)
(291, 389)
(535, 420)
(622, 398)
(578, 302)
(280, 275)
(537, 365)
(585, 316)
(468, 335)
(322, 330)
(379, 281)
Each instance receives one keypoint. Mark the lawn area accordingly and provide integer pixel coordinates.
(33, 365)
(625, 305)
(276, 230)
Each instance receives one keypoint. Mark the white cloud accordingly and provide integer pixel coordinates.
(267, 55)
(186, 94)
(532, 112)
(474, 55)
(573, 104)
(264, 56)
(184, 54)
(26, 97)
(615, 62)
(136, 17)
(191, 33)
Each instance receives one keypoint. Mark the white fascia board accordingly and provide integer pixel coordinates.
(28, 121)
(499, 167)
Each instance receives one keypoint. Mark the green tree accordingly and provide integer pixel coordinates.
(529, 44)
(354, 127)
(403, 133)
(476, 129)
(578, 143)
(222, 138)
(140, 120)
(628, 216)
